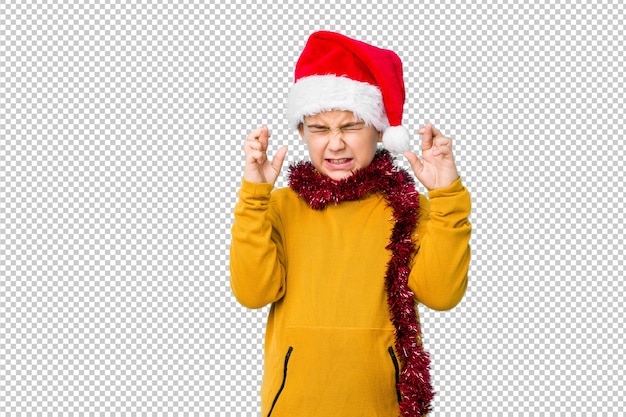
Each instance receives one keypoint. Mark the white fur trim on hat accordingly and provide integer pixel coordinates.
(396, 139)
(317, 93)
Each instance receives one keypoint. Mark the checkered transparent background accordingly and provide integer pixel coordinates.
(120, 157)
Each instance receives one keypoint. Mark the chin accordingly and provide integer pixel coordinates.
(338, 176)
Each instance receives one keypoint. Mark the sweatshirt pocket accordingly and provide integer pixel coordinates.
(396, 367)
(282, 385)
(338, 372)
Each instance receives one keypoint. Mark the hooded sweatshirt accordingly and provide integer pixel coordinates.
(329, 341)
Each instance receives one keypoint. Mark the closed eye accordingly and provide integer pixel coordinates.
(318, 129)
(348, 127)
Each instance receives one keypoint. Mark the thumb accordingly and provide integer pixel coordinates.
(279, 158)
(414, 161)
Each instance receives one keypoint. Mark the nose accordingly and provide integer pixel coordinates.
(336, 143)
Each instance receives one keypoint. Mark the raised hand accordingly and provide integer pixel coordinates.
(437, 168)
(258, 168)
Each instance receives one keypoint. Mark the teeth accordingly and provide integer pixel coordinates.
(339, 161)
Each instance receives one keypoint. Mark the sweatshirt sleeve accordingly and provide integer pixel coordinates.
(257, 271)
(439, 273)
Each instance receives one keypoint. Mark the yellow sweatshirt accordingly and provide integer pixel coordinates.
(329, 343)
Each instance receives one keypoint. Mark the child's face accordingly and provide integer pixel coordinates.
(339, 143)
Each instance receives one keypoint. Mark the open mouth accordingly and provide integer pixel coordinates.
(339, 161)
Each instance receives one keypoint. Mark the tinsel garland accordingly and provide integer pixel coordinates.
(398, 188)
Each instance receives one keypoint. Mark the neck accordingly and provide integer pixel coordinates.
(319, 190)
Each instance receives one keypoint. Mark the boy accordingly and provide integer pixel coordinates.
(345, 253)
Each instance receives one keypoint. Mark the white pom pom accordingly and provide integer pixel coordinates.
(396, 139)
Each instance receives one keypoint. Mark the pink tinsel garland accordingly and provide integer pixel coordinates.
(399, 191)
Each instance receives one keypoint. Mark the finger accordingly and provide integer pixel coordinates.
(256, 156)
(279, 158)
(442, 145)
(254, 134)
(436, 132)
(414, 161)
(442, 140)
(427, 137)
(252, 145)
(252, 151)
(264, 136)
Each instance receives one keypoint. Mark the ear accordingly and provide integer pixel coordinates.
(379, 137)
(301, 132)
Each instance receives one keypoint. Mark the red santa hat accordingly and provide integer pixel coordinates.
(335, 72)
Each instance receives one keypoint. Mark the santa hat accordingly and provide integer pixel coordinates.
(335, 72)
